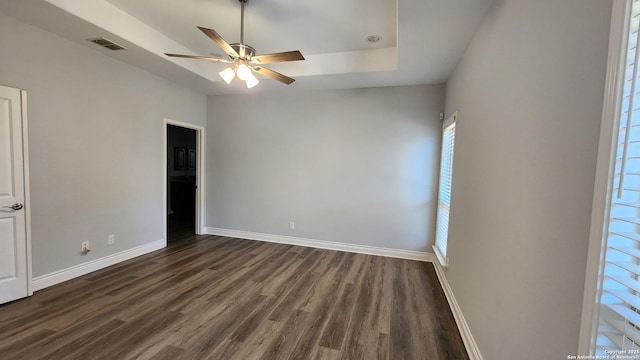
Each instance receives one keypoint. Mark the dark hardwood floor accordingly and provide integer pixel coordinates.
(210, 297)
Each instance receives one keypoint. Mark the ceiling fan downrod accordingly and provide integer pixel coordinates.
(242, 2)
(245, 51)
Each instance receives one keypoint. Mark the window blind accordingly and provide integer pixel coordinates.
(618, 325)
(444, 189)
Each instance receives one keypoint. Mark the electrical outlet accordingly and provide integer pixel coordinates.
(292, 225)
(85, 247)
(111, 239)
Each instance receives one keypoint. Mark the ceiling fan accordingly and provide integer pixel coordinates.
(244, 58)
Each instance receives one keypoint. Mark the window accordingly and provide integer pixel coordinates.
(444, 189)
(615, 321)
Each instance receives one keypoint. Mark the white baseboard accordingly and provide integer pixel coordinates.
(469, 342)
(323, 244)
(63, 275)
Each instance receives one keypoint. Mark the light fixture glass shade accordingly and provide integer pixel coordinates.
(227, 75)
(243, 72)
(251, 81)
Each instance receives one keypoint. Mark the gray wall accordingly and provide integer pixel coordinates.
(529, 91)
(96, 145)
(353, 166)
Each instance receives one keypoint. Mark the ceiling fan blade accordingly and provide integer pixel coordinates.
(277, 57)
(200, 58)
(213, 35)
(272, 74)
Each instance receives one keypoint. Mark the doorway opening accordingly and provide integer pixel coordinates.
(183, 178)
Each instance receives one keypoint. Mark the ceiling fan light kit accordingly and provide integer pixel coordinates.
(227, 75)
(244, 59)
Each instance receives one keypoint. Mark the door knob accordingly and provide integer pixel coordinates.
(16, 206)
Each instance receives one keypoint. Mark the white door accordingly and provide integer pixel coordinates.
(14, 278)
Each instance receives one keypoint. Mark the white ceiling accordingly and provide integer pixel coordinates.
(422, 39)
(318, 27)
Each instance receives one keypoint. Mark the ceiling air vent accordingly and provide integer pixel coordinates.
(107, 43)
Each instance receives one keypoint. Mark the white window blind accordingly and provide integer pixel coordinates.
(444, 189)
(618, 322)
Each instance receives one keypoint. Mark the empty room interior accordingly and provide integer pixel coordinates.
(279, 179)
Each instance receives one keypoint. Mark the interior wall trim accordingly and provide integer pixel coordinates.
(323, 244)
(63, 275)
(465, 332)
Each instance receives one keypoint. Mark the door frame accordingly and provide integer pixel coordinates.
(27, 190)
(200, 174)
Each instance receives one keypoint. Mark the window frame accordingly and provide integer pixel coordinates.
(604, 180)
(442, 254)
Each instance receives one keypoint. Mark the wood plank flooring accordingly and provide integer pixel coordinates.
(211, 297)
